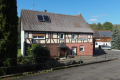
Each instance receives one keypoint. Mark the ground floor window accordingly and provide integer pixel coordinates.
(81, 48)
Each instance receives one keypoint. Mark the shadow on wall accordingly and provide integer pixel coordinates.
(98, 52)
(69, 51)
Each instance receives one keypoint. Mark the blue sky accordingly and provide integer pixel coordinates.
(93, 11)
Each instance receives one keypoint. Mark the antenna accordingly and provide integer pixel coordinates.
(34, 5)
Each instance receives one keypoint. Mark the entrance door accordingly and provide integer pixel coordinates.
(74, 51)
(62, 52)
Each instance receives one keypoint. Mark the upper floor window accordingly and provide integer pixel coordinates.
(97, 38)
(73, 36)
(39, 36)
(43, 18)
(82, 37)
(61, 35)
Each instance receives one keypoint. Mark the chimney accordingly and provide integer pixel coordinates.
(45, 10)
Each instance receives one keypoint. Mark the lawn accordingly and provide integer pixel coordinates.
(19, 52)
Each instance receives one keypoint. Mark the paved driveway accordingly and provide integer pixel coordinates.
(101, 71)
(102, 52)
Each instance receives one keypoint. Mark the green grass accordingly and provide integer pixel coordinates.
(19, 52)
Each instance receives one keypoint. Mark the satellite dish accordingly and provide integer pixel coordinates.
(26, 36)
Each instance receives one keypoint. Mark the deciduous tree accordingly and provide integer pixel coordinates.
(107, 26)
(99, 26)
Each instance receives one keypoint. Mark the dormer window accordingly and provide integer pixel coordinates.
(44, 18)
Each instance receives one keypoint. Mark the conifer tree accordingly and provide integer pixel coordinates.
(117, 41)
(114, 36)
(8, 34)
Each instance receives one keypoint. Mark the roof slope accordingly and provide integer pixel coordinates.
(59, 22)
(102, 33)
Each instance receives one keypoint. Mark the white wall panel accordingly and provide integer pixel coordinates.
(67, 40)
(55, 40)
(30, 35)
(52, 41)
(46, 35)
(90, 40)
(42, 41)
(54, 35)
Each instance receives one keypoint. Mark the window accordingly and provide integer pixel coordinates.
(81, 48)
(73, 36)
(97, 38)
(82, 37)
(43, 18)
(38, 36)
(61, 35)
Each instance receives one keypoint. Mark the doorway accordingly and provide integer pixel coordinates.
(74, 51)
(62, 51)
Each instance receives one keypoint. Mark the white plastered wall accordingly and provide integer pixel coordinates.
(22, 41)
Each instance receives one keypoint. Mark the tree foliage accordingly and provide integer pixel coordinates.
(99, 26)
(93, 26)
(117, 41)
(107, 26)
(115, 37)
(8, 34)
(19, 33)
(36, 50)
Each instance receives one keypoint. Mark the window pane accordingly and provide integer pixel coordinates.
(81, 48)
(73, 36)
(34, 36)
(40, 17)
(61, 35)
(46, 18)
(40, 36)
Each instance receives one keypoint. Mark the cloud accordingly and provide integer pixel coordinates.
(99, 15)
(93, 20)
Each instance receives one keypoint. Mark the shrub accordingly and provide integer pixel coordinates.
(36, 50)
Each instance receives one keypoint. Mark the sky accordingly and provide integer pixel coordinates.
(93, 11)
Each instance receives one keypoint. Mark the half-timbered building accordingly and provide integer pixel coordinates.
(62, 34)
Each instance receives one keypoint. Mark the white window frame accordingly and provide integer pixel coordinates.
(97, 38)
(74, 36)
(83, 48)
(83, 38)
(38, 38)
(60, 35)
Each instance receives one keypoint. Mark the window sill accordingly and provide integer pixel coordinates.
(38, 38)
(81, 51)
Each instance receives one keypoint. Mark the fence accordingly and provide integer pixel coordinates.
(35, 63)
